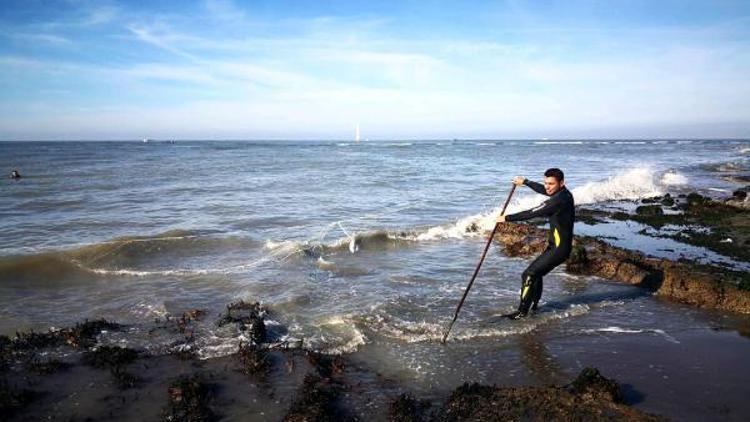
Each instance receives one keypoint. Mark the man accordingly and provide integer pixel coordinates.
(560, 209)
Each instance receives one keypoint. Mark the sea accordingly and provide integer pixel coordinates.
(364, 249)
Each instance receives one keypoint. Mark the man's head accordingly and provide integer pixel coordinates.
(554, 180)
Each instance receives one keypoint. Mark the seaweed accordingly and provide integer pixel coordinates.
(46, 367)
(254, 360)
(84, 335)
(578, 259)
(248, 317)
(406, 408)
(109, 357)
(314, 402)
(189, 400)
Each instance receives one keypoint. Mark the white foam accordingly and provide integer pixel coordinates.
(631, 185)
(143, 273)
(745, 151)
(342, 336)
(620, 330)
(672, 178)
(614, 329)
(325, 265)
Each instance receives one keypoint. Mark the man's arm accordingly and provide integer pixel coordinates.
(536, 187)
(548, 207)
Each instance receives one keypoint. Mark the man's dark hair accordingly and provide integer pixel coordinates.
(556, 173)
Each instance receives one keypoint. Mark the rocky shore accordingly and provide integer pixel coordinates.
(70, 374)
(65, 375)
(719, 226)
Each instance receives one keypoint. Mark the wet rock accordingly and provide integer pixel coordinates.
(694, 198)
(592, 385)
(590, 400)
(406, 408)
(248, 317)
(33, 340)
(667, 200)
(84, 335)
(698, 285)
(115, 359)
(326, 366)
(314, 401)
(649, 210)
(578, 261)
(189, 400)
(5, 352)
(590, 217)
(254, 360)
(109, 357)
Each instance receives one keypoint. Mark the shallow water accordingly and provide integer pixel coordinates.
(360, 248)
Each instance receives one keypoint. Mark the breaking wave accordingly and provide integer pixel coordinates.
(126, 256)
(635, 184)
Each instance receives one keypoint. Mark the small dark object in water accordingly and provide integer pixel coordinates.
(667, 200)
(15, 174)
(254, 359)
(406, 408)
(189, 399)
(248, 317)
(739, 194)
(193, 315)
(649, 210)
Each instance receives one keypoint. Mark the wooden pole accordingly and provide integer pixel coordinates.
(479, 265)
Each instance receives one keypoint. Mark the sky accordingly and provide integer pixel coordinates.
(222, 69)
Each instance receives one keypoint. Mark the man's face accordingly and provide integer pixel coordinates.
(551, 185)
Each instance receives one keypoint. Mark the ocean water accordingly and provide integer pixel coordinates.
(355, 248)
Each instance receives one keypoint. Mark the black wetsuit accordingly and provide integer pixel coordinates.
(560, 209)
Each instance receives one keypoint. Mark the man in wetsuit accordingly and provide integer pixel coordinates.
(560, 209)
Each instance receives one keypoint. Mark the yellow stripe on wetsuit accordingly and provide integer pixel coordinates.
(526, 286)
(557, 237)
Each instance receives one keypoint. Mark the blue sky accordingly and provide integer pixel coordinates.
(220, 69)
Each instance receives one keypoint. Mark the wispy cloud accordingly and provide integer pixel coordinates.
(312, 73)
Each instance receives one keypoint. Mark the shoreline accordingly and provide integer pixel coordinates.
(66, 372)
(261, 381)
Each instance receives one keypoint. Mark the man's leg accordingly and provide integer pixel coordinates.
(537, 294)
(532, 283)
(529, 287)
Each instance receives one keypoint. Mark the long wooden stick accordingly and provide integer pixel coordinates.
(479, 265)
